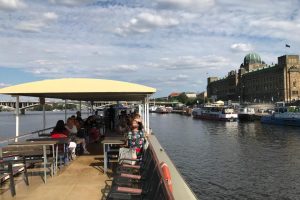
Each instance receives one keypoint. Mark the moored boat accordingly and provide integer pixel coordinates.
(152, 109)
(287, 116)
(162, 110)
(246, 114)
(215, 113)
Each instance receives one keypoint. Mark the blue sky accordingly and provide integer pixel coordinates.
(172, 45)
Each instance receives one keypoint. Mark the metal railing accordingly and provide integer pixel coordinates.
(37, 132)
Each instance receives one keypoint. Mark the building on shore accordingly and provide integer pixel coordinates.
(173, 95)
(202, 96)
(258, 82)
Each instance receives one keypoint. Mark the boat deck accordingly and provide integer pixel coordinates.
(83, 178)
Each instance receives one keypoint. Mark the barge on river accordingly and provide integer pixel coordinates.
(215, 113)
(85, 178)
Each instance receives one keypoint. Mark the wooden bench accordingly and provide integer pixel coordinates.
(9, 166)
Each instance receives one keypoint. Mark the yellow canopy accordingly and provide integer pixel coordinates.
(81, 89)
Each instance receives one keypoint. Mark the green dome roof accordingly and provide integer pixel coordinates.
(252, 58)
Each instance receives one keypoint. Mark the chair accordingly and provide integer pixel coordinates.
(140, 165)
(147, 187)
(143, 186)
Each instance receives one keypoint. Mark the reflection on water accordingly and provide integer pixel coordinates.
(219, 160)
(233, 160)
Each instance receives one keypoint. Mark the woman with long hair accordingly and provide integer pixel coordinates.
(59, 130)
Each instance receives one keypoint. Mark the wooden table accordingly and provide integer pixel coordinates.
(44, 144)
(106, 148)
(64, 141)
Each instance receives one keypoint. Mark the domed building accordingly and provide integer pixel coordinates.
(257, 82)
(252, 61)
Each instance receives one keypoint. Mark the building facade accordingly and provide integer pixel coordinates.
(257, 82)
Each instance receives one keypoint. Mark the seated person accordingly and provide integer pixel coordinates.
(71, 127)
(92, 130)
(59, 130)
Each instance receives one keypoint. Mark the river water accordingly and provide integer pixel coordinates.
(219, 160)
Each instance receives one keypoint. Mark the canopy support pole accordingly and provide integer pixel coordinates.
(147, 114)
(92, 107)
(44, 116)
(17, 118)
(140, 110)
(65, 110)
(42, 102)
(80, 106)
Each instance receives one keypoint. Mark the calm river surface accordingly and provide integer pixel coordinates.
(218, 160)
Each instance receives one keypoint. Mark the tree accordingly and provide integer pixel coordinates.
(40, 108)
(183, 98)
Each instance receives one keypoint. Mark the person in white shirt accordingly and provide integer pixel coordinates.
(70, 126)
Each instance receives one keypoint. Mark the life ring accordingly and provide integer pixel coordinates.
(166, 174)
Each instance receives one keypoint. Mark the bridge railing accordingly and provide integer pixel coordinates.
(38, 133)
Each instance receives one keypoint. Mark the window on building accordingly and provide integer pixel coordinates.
(295, 92)
(294, 83)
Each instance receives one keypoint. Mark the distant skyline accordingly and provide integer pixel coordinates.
(172, 45)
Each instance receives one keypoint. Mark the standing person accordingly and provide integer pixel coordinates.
(111, 117)
(136, 138)
(78, 118)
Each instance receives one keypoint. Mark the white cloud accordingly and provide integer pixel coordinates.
(191, 62)
(188, 36)
(145, 22)
(123, 68)
(190, 5)
(180, 77)
(4, 85)
(10, 5)
(30, 26)
(241, 47)
(70, 2)
(50, 16)
(37, 24)
(276, 28)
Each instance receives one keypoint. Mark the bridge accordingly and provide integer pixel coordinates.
(164, 103)
(26, 103)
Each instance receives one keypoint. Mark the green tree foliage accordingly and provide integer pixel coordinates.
(183, 98)
(59, 106)
(40, 108)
